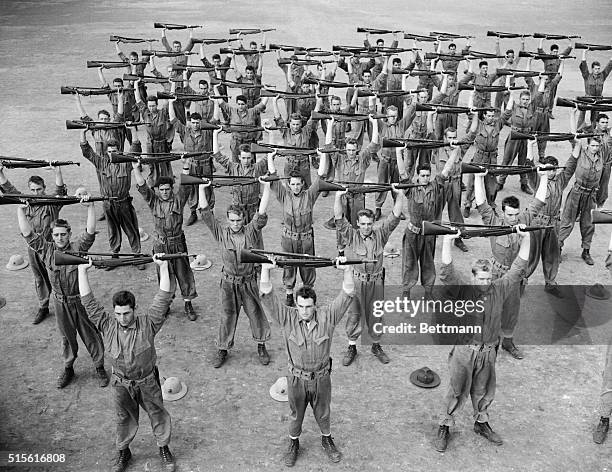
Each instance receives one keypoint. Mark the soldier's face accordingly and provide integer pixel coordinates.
(351, 150)
(195, 124)
(596, 69)
(424, 177)
(295, 125)
(489, 117)
(124, 315)
(555, 51)
(133, 58)
(103, 117)
(422, 97)
(296, 184)
(450, 136)
(305, 307)
(525, 100)
(484, 70)
(594, 147)
(452, 49)
(203, 89)
(335, 106)
(482, 279)
(391, 117)
(367, 77)
(511, 215)
(510, 57)
(165, 191)
(245, 159)
(36, 189)
(250, 74)
(242, 106)
(602, 124)
(366, 225)
(235, 222)
(61, 236)
(176, 46)
(152, 106)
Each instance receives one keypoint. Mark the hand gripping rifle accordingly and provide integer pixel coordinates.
(117, 260)
(40, 200)
(289, 259)
(483, 231)
(22, 163)
(124, 39)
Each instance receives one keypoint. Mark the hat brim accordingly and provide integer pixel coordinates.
(18, 266)
(144, 237)
(605, 295)
(195, 266)
(415, 381)
(277, 395)
(172, 397)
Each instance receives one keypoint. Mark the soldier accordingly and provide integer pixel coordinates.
(472, 359)
(553, 65)
(69, 312)
(238, 279)
(509, 61)
(40, 218)
(179, 60)
(130, 341)
(593, 82)
(481, 99)
(167, 209)
(308, 331)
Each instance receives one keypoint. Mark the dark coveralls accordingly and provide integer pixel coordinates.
(481, 99)
(40, 219)
(521, 119)
(135, 380)
(339, 130)
(308, 347)
(453, 194)
(299, 163)
(69, 312)
(250, 117)
(199, 165)
(472, 360)
(424, 204)
(238, 286)
(552, 65)
(541, 108)
(297, 232)
(115, 181)
(160, 134)
(593, 86)
(170, 238)
(370, 277)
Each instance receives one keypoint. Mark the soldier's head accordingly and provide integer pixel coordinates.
(216, 58)
(483, 66)
(450, 134)
(152, 103)
(118, 83)
(351, 146)
(295, 122)
(510, 56)
(367, 76)
(176, 46)
(488, 116)
(452, 48)
(36, 184)
(296, 182)
(194, 120)
(305, 88)
(335, 103)
(241, 103)
(482, 274)
(554, 49)
(112, 145)
(305, 302)
(423, 173)
(235, 218)
(525, 98)
(124, 306)
(550, 161)
(511, 207)
(203, 87)
(247, 159)
(104, 115)
(392, 113)
(249, 72)
(365, 221)
(253, 45)
(133, 57)
(602, 123)
(61, 232)
(423, 96)
(595, 67)
(593, 145)
(164, 186)
(380, 43)
(397, 63)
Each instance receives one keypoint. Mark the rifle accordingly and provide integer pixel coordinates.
(86, 91)
(554, 37)
(601, 217)
(111, 64)
(289, 95)
(498, 169)
(418, 37)
(327, 83)
(566, 102)
(524, 73)
(302, 62)
(219, 181)
(40, 200)
(120, 158)
(187, 97)
(77, 258)
(444, 57)
(23, 163)
(339, 116)
(123, 39)
(240, 52)
(94, 125)
(489, 88)
(541, 136)
(449, 109)
(592, 47)
(180, 68)
(595, 100)
(482, 55)
(438, 34)
(288, 259)
(419, 143)
(266, 148)
(361, 29)
(500, 34)
(433, 229)
(373, 187)
(174, 26)
(161, 53)
(285, 47)
(245, 31)
(543, 56)
(233, 84)
(146, 79)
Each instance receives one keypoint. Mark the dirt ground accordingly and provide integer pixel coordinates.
(545, 405)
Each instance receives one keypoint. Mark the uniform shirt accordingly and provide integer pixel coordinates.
(64, 278)
(296, 73)
(340, 128)
(181, 60)
(357, 66)
(206, 109)
(115, 179)
(39, 217)
(556, 186)
(521, 118)
(130, 110)
(593, 83)
(131, 349)
(251, 117)
(368, 247)
(159, 127)
(299, 139)
(541, 100)
(486, 137)
(252, 94)
(137, 69)
(243, 194)
(199, 142)
(589, 169)
(493, 300)
(307, 344)
(297, 209)
(396, 130)
(441, 157)
(426, 203)
(454, 65)
(102, 136)
(481, 99)
(232, 243)
(552, 65)
(354, 169)
(167, 215)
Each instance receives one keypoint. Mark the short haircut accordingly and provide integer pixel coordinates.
(118, 79)
(554, 46)
(525, 93)
(296, 175)
(241, 98)
(602, 115)
(249, 68)
(195, 116)
(176, 41)
(365, 212)
(481, 265)
(380, 41)
(134, 54)
(512, 202)
(104, 112)
(112, 142)
(510, 51)
(350, 140)
(295, 116)
(549, 160)
(594, 138)
(216, 56)
(152, 98)
(392, 108)
(253, 43)
(595, 63)
(203, 82)
(396, 60)
(245, 148)
(335, 98)
(60, 223)
(452, 45)
(306, 292)
(235, 209)
(450, 129)
(124, 298)
(482, 63)
(164, 180)
(366, 71)
(36, 179)
(423, 166)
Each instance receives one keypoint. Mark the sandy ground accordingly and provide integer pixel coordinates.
(545, 405)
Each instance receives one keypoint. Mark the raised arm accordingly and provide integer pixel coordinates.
(265, 197)
(480, 195)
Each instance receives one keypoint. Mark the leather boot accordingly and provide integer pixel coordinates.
(485, 430)
(190, 312)
(441, 441)
(41, 315)
(65, 377)
(350, 355)
(292, 453)
(377, 350)
(330, 448)
(262, 353)
(219, 358)
(509, 346)
(586, 256)
(121, 460)
(167, 460)
(193, 217)
(601, 431)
